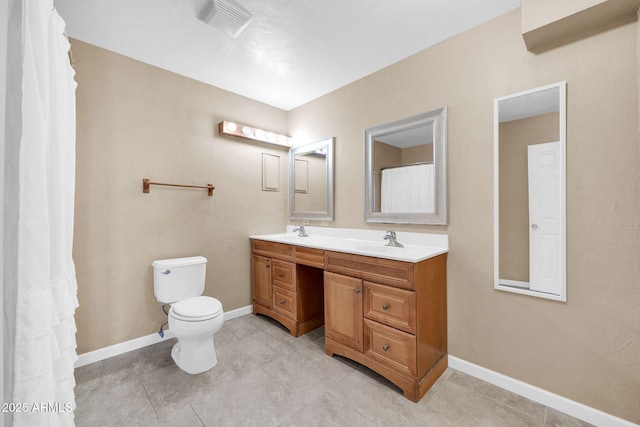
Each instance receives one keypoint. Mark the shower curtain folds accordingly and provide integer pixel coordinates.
(45, 346)
(407, 189)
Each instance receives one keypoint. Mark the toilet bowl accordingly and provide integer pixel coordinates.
(193, 322)
(193, 319)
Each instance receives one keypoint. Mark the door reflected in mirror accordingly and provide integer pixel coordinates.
(529, 192)
(311, 181)
(406, 170)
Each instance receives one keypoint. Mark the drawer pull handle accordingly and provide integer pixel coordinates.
(385, 306)
(385, 347)
(357, 290)
(281, 301)
(267, 266)
(280, 274)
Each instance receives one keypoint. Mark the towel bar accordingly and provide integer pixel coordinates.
(146, 183)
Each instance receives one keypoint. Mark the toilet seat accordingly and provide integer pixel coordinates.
(196, 309)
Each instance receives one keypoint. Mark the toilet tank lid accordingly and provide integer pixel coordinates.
(178, 262)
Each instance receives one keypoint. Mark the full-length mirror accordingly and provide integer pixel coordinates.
(311, 181)
(405, 170)
(530, 192)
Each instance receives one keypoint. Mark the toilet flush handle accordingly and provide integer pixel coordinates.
(165, 272)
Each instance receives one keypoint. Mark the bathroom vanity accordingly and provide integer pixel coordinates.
(383, 307)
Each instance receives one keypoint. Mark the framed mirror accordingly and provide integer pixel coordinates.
(311, 181)
(530, 192)
(406, 170)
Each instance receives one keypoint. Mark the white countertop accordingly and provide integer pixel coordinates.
(417, 246)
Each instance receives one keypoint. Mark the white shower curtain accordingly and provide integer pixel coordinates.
(45, 346)
(407, 189)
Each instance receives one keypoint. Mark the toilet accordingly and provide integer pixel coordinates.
(193, 318)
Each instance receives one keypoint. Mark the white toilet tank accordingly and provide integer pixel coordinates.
(177, 279)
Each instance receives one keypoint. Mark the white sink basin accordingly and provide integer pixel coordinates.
(291, 237)
(407, 253)
(379, 249)
(312, 241)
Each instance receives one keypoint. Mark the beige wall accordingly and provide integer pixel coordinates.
(586, 349)
(515, 137)
(136, 121)
(417, 154)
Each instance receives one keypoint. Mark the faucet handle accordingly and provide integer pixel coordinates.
(391, 237)
(301, 231)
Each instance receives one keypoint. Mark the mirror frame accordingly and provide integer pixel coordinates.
(439, 217)
(507, 285)
(327, 215)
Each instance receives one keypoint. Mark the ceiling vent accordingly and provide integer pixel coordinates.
(226, 15)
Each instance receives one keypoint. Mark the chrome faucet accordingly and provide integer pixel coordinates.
(391, 237)
(300, 231)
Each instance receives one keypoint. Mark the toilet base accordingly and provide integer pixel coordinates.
(194, 356)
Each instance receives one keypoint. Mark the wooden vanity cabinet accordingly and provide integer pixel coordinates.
(390, 316)
(287, 285)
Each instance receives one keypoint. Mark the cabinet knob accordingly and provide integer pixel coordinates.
(357, 290)
(281, 301)
(385, 347)
(280, 274)
(267, 265)
(385, 306)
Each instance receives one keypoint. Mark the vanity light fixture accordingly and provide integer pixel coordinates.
(226, 127)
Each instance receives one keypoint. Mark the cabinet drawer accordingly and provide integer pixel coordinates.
(284, 274)
(379, 270)
(309, 256)
(392, 306)
(395, 348)
(273, 249)
(284, 302)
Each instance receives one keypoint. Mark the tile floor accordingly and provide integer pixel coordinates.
(265, 377)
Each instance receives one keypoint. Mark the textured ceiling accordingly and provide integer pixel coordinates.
(291, 53)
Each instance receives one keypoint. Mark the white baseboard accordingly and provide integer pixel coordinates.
(544, 397)
(134, 344)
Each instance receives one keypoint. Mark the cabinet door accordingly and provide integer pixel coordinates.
(262, 280)
(343, 309)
